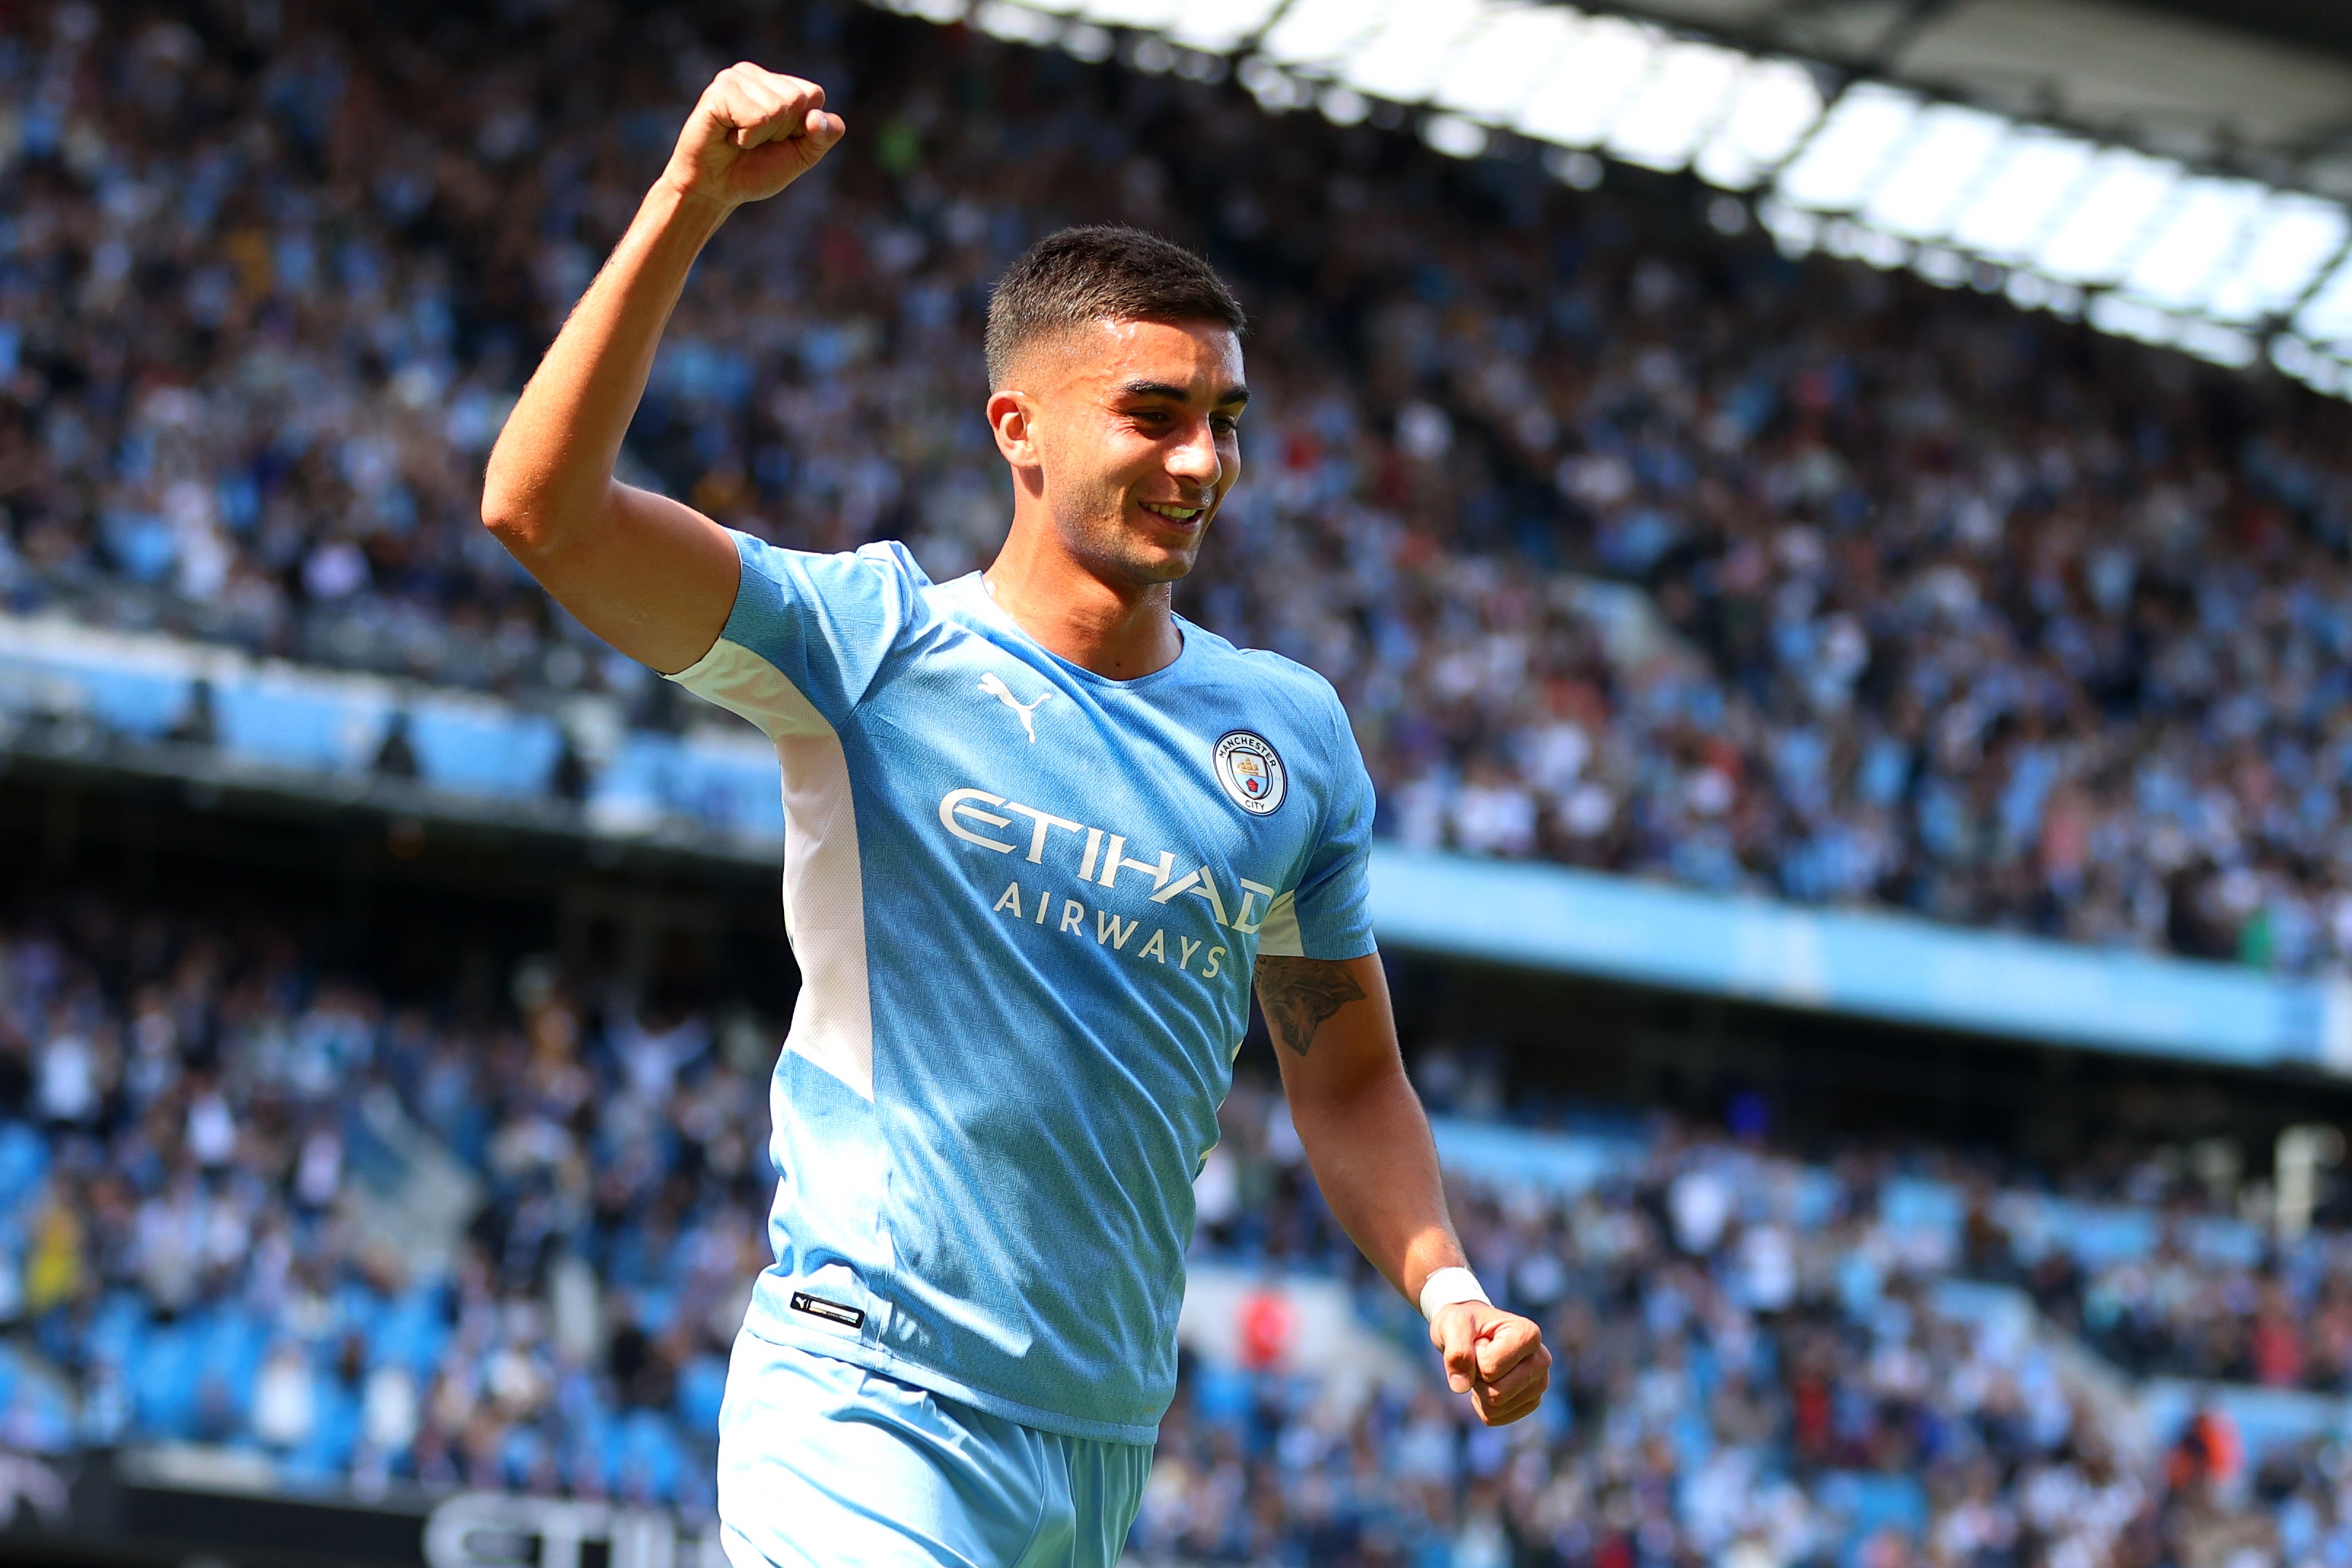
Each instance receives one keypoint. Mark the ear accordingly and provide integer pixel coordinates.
(1011, 416)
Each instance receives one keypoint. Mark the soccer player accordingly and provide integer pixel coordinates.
(1041, 836)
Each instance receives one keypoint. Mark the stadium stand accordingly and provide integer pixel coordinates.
(1893, 1351)
(1631, 545)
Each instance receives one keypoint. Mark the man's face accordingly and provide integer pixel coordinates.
(1131, 439)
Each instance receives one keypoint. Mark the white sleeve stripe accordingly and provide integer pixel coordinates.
(1278, 936)
(742, 682)
(825, 887)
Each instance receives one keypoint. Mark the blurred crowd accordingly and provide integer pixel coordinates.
(256, 1205)
(1630, 542)
(1763, 1362)
(251, 1205)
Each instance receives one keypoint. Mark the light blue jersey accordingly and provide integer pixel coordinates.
(1025, 900)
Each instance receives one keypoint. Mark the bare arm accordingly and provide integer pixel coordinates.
(1368, 1140)
(648, 574)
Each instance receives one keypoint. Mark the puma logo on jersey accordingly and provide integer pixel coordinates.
(994, 684)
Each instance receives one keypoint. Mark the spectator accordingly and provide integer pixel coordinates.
(396, 757)
(1629, 544)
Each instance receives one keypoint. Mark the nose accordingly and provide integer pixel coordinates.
(1193, 461)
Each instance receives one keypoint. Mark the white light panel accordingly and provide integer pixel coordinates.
(1687, 94)
(1404, 59)
(2326, 317)
(2284, 249)
(2108, 217)
(1220, 25)
(1317, 34)
(1841, 163)
(1949, 151)
(1604, 64)
(1775, 104)
(1502, 59)
(2023, 194)
(2192, 241)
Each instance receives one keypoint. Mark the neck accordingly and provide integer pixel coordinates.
(1121, 630)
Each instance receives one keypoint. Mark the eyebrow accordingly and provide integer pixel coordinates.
(1175, 393)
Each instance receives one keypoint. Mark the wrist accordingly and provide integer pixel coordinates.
(681, 204)
(1446, 1287)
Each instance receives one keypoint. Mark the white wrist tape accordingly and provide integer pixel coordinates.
(1447, 1285)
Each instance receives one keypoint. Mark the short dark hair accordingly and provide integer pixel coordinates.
(1100, 272)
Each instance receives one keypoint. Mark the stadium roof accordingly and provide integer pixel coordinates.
(2181, 80)
(2164, 177)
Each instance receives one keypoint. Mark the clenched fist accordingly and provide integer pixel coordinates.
(753, 132)
(1497, 1358)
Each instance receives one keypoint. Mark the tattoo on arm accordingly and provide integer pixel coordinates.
(1298, 993)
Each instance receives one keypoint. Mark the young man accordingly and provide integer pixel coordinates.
(1041, 836)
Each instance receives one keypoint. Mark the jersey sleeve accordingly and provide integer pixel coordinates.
(1330, 913)
(808, 635)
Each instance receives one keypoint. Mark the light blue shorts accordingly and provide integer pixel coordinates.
(826, 1465)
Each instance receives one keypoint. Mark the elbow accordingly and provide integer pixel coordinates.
(512, 526)
(514, 518)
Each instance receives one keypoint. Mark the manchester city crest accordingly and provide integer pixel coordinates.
(1252, 772)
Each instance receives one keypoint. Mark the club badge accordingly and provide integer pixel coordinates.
(1252, 772)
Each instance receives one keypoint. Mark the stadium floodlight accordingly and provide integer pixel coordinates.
(2011, 209)
(1404, 59)
(1841, 163)
(2108, 219)
(1775, 104)
(1455, 136)
(2221, 345)
(2283, 250)
(1150, 16)
(1016, 23)
(939, 11)
(2326, 317)
(1669, 118)
(2127, 318)
(1948, 151)
(1315, 35)
(1795, 230)
(1603, 67)
(1501, 59)
(2192, 242)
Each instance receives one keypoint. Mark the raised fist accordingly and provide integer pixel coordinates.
(753, 134)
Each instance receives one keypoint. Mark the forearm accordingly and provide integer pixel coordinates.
(1374, 1160)
(551, 475)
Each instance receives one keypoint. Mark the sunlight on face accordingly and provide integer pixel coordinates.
(1137, 426)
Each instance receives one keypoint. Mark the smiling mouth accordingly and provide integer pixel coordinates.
(1182, 515)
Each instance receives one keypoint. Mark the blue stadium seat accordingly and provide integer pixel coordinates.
(163, 1381)
(484, 751)
(701, 1389)
(650, 1458)
(24, 1161)
(306, 726)
(410, 1331)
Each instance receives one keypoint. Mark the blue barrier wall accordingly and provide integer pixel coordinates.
(1545, 917)
(1878, 965)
